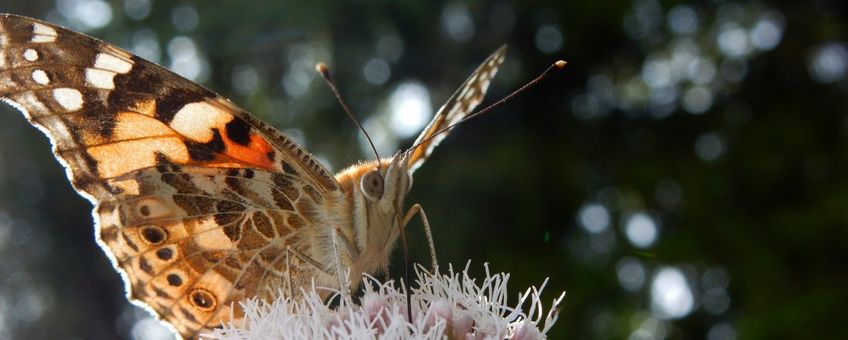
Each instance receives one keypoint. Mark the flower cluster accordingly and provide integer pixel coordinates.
(450, 305)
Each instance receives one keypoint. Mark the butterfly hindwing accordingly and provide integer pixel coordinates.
(460, 104)
(195, 241)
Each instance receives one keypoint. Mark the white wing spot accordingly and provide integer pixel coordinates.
(30, 54)
(469, 93)
(112, 63)
(43, 33)
(40, 77)
(2, 59)
(463, 93)
(42, 29)
(196, 120)
(70, 99)
(42, 39)
(101, 79)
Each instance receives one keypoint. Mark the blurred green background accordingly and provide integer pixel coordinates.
(683, 178)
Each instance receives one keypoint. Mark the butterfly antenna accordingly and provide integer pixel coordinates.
(558, 65)
(325, 73)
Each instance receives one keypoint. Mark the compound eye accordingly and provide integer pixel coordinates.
(372, 185)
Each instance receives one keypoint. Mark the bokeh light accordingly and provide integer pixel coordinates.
(145, 44)
(768, 31)
(671, 295)
(829, 62)
(85, 15)
(456, 22)
(641, 230)
(631, 274)
(697, 100)
(186, 60)
(246, 80)
(150, 329)
(410, 108)
(715, 298)
(683, 19)
(137, 9)
(301, 72)
(549, 39)
(594, 218)
(733, 40)
(376, 71)
(645, 19)
(185, 18)
(709, 146)
(721, 331)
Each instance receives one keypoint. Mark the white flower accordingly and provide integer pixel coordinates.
(448, 305)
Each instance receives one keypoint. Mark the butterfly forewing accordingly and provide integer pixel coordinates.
(460, 104)
(195, 199)
(95, 100)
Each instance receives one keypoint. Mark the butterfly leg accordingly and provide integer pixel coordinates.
(305, 258)
(288, 270)
(344, 285)
(339, 236)
(416, 209)
(348, 244)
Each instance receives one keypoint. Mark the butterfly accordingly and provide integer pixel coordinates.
(197, 203)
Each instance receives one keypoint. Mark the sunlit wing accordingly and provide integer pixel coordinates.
(185, 184)
(457, 107)
(109, 113)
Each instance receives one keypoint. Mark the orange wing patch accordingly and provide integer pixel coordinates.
(200, 134)
(241, 145)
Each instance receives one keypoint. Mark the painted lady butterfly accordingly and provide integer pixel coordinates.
(197, 203)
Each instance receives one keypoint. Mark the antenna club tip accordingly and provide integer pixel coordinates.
(323, 70)
(560, 64)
